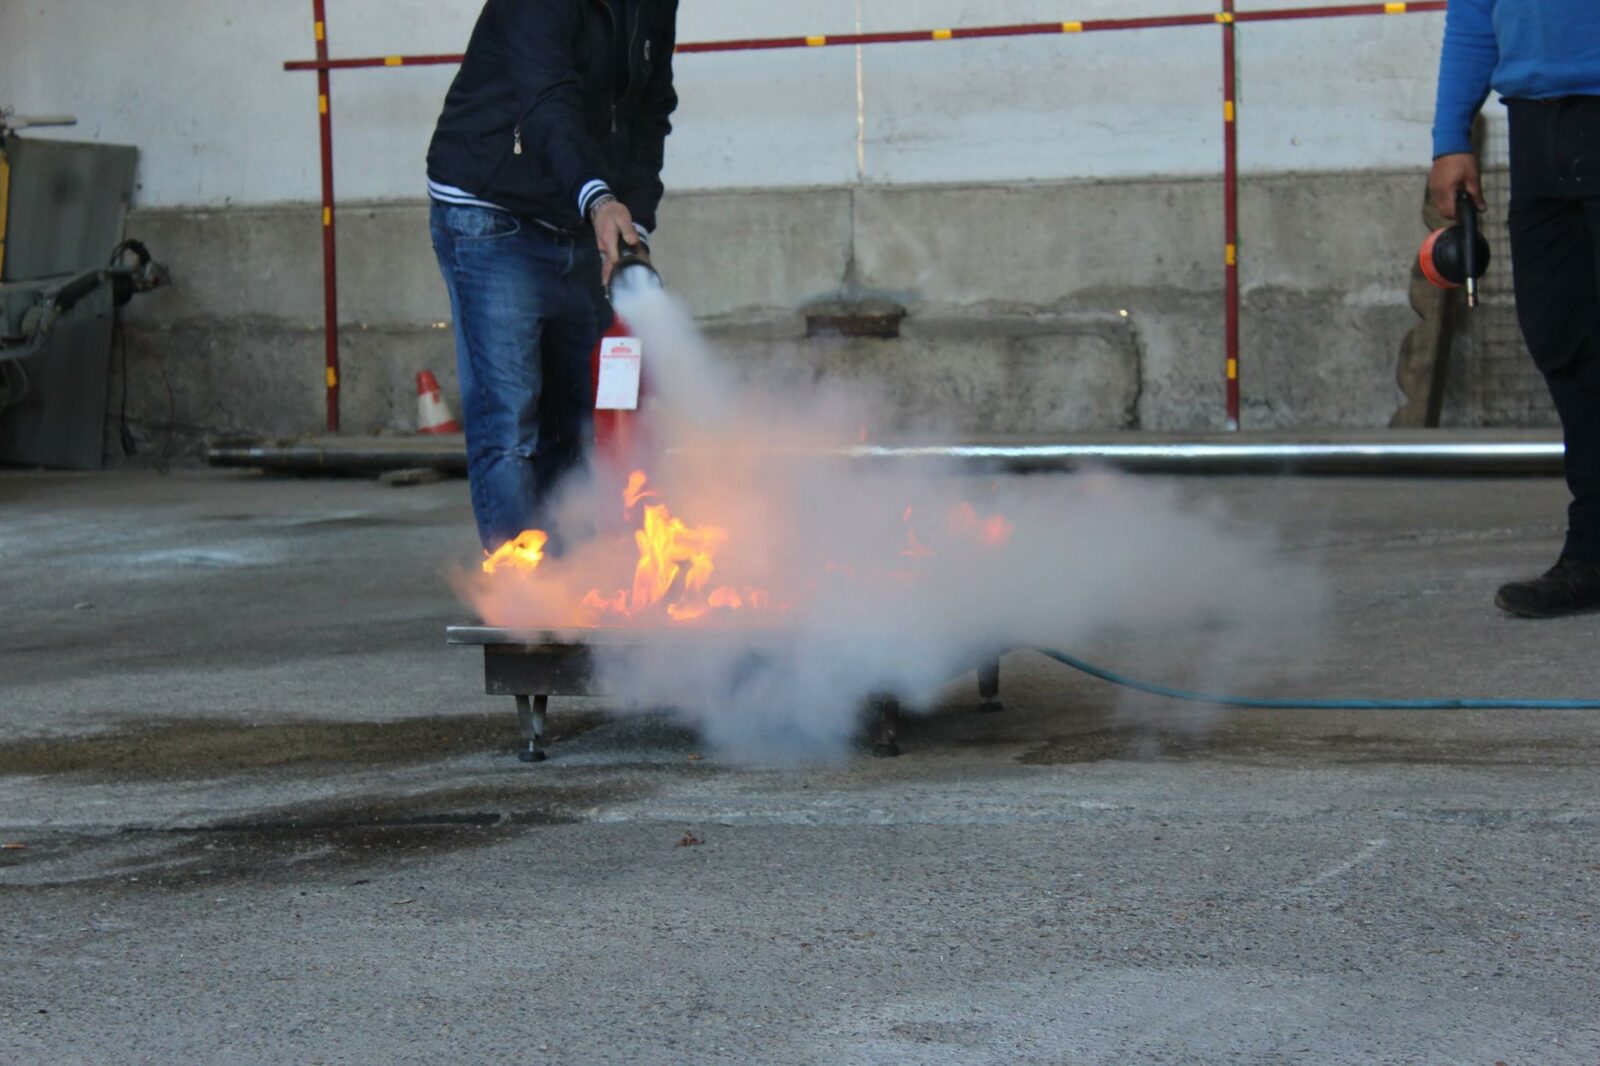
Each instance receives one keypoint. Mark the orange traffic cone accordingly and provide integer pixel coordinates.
(432, 414)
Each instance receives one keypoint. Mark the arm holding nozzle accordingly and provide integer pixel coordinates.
(616, 235)
(1455, 176)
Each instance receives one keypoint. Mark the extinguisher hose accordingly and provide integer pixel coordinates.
(1292, 704)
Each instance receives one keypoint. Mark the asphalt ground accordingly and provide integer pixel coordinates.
(256, 811)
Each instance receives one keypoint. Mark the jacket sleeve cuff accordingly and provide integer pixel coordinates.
(592, 190)
(1451, 142)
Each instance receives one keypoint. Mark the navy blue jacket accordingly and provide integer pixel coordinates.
(533, 122)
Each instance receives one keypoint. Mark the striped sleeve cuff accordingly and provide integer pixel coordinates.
(644, 234)
(591, 192)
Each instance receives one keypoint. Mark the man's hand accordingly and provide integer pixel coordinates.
(1453, 172)
(613, 228)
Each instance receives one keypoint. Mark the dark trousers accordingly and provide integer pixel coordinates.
(1555, 242)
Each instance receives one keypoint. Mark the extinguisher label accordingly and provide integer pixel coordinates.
(621, 360)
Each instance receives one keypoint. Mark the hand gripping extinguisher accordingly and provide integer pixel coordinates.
(621, 386)
(1458, 255)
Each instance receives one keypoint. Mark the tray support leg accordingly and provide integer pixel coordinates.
(886, 726)
(989, 688)
(532, 719)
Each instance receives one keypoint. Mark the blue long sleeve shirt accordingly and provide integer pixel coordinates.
(1524, 49)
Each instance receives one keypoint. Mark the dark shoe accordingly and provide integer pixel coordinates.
(1569, 587)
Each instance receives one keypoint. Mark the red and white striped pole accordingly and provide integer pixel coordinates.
(1228, 19)
(971, 33)
(330, 265)
(1230, 209)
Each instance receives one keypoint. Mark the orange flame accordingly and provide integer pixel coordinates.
(665, 545)
(673, 574)
(636, 492)
(914, 548)
(672, 579)
(992, 532)
(522, 555)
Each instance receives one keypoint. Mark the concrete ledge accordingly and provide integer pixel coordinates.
(1036, 308)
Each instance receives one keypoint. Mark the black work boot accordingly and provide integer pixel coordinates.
(1569, 587)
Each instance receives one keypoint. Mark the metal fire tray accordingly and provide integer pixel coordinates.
(533, 665)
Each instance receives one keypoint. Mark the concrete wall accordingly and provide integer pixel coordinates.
(1017, 296)
(1017, 195)
(198, 85)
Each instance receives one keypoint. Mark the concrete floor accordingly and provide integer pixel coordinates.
(267, 816)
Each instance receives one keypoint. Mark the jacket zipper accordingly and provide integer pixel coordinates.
(516, 134)
(633, 40)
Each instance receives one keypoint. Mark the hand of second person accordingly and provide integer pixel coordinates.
(1459, 170)
(613, 228)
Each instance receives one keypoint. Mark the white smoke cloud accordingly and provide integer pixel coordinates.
(887, 578)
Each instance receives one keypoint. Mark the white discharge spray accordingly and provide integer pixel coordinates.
(828, 581)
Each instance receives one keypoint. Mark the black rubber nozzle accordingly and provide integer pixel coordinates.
(1460, 253)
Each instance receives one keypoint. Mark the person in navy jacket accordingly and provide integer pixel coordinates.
(1543, 58)
(545, 162)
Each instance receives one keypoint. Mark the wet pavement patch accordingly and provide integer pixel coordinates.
(198, 748)
(292, 844)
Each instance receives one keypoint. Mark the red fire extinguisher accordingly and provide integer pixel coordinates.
(621, 387)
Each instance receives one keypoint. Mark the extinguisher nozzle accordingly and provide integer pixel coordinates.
(633, 273)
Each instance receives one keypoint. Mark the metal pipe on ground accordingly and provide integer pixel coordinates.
(1369, 455)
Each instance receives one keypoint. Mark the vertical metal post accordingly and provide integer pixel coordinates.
(1230, 193)
(330, 266)
(5, 205)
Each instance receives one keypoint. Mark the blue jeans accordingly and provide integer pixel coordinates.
(529, 310)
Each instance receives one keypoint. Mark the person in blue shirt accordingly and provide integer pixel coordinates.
(1543, 58)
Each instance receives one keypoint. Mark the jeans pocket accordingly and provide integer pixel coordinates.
(466, 223)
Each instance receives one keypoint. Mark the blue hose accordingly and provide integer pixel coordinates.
(1315, 705)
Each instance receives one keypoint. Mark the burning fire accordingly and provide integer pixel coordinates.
(992, 532)
(522, 555)
(677, 561)
(914, 548)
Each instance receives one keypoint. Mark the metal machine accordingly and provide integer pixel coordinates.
(64, 272)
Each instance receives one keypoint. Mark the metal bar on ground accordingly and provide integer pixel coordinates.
(1358, 455)
(330, 263)
(1443, 459)
(841, 40)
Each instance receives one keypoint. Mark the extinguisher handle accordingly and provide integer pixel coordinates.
(1467, 214)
